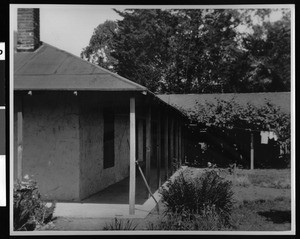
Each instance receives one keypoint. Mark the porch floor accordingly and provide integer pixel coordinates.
(118, 193)
(114, 201)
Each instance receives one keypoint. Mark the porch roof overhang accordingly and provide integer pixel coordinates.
(51, 69)
(189, 102)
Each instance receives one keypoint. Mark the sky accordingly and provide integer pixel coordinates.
(70, 27)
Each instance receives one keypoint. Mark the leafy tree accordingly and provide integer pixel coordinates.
(205, 49)
(176, 50)
(196, 50)
(269, 54)
(101, 46)
(141, 45)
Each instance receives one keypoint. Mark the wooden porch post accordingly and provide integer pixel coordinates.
(158, 149)
(140, 140)
(179, 144)
(132, 158)
(20, 138)
(176, 143)
(171, 144)
(183, 144)
(252, 151)
(148, 147)
(166, 145)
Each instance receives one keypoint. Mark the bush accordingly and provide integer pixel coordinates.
(120, 225)
(30, 212)
(194, 196)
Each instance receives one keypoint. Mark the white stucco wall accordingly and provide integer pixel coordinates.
(51, 144)
(63, 143)
(91, 152)
(93, 178)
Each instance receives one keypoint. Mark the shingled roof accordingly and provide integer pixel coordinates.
(189, 101)
(49, 68)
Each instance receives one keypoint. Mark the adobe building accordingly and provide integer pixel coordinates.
(79, 128)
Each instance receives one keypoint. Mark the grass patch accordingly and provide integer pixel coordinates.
(259, 209)
(277, 216)
(271, 178)
(266, 178)
(270, 181)
(262, 215)
(207, 221)
(242, 181)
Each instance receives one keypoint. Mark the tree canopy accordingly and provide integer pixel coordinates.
(196, 50)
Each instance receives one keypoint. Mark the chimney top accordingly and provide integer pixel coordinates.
(28, 29)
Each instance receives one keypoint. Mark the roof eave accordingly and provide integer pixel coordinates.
(76, 89)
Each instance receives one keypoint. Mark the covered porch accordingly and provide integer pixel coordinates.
(156, 152)
(154, 137)
(156, 141)
(118, 193)
(113, 201)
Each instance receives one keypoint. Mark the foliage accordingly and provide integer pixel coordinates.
(208, 220)
(196, 50)
(194, 196)
(268, 48)
(120, 225)
(263, 215)
(228, 114)
(251, 211)
(30, 212)
(142, 45)
(204, 49)
(100, 46)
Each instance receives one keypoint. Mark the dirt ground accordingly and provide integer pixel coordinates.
(262, 203)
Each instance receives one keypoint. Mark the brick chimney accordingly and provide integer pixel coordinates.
(28, 29)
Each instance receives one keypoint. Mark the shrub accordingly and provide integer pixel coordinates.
(120, 224)
(189, 195)
(30, 212)
(180, 194)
